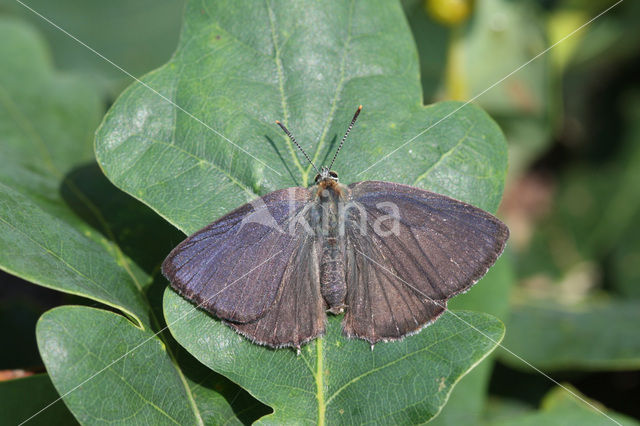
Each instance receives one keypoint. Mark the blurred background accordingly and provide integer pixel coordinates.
(572, 200)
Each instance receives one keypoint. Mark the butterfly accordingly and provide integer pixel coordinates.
(388, 256)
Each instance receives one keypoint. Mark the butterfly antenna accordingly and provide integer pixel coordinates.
(297, 144)
(353, 120)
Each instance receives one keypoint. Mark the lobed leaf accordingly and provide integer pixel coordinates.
(335, 380)
(241, 66)
(198, 138)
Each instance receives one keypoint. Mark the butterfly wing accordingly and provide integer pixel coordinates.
(297, 314)
(381, 306)
(255, 268)
(404, 262)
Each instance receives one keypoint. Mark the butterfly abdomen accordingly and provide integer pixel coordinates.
(333, 286)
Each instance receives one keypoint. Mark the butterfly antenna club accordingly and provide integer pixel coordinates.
(344, 138)
(296, 143)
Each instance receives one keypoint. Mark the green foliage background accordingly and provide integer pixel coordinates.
(95, 225)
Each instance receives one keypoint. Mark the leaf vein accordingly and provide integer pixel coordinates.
(426, 348)
(213, 166)
(444, 155)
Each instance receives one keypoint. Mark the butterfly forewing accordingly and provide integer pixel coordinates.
(234, 267)
(402, 269)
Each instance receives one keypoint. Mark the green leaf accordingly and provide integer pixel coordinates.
(594, 337)
(84, 345)
(21, 398)
(504, 408)
(241, 66)
(559, 407)
(335, 380)
(79, 343)
(491, 295)
(525, 102)
(219, 400)
(46, 122)
(63, 226)
(119, 29)
(510, 29)
(110, 370)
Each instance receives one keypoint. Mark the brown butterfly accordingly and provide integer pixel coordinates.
(387, 255)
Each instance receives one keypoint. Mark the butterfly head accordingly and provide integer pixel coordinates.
(326, 175)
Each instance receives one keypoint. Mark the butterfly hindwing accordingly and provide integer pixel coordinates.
(380, 305)
(297, 314)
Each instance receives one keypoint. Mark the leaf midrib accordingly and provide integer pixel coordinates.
(336, 96)
(283, 98)
(322, 405)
